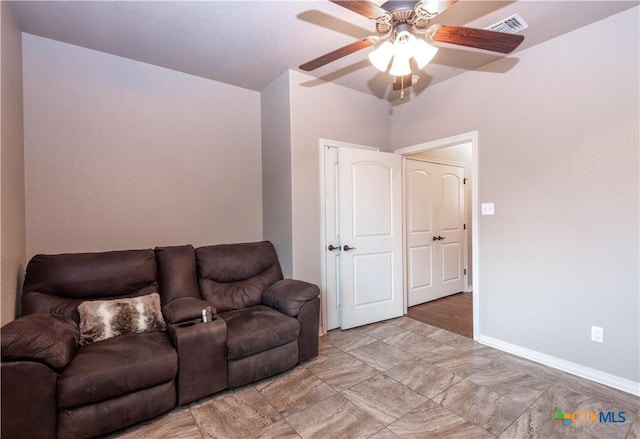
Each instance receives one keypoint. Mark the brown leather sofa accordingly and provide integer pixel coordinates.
(53, 387)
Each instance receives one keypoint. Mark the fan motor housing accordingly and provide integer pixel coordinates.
(398, 6)
(401, 12)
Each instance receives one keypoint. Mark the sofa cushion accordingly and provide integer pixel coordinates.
(59, 283)
(104, 319)
(117, 366)
(256, 329)
(234, 276)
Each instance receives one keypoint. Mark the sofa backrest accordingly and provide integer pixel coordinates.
(234, 276)
(59, 283)
(177, 272)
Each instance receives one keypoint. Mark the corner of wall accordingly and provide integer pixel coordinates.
(12, 175)
(275, 102)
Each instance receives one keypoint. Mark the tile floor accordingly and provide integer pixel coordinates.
(402, 379)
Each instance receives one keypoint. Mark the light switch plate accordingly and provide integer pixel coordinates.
(487, 209)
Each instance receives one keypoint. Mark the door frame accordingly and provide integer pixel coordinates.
(322, 145)
(471, 137)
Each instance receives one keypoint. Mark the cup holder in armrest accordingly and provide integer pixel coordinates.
(186, 324)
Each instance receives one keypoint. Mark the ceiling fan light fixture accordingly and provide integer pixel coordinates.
(404, 44)
(381, 57)
(400, 66)
(423, 53)
(396, 23)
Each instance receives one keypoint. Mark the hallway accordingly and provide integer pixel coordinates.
(453, 313)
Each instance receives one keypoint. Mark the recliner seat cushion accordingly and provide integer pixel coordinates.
(117, 366)
(257, 329)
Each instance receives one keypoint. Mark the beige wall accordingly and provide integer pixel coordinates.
(297, 111)
(12, 204)
(122, 154)
(276, 170)
(558, 155)
(324, 110)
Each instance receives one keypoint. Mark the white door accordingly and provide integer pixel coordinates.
(434, 230)
(370, 230)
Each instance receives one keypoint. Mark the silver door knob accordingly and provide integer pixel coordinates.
(347, 248)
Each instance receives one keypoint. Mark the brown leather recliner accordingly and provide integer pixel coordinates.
(51, 386)
(54, 387)
(270, 323)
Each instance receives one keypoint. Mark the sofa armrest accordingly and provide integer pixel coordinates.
(51, 339)
(185, 308)
(28, 406)
(288, 296)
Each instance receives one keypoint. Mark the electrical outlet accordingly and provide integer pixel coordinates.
(597, 334)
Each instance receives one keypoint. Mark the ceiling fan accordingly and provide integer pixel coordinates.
(404, 34)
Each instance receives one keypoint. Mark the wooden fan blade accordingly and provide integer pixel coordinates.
(367, 9)
(400, 82)
(478, 38)
(336, 54)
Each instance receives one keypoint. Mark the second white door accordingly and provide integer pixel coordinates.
(434, 230)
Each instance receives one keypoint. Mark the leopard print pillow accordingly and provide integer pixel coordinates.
(104, 319)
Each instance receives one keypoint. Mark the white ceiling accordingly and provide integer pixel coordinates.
(250, 43)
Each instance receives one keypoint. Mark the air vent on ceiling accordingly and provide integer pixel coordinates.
(509, 25)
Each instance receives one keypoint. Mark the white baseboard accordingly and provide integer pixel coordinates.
(607, 379)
